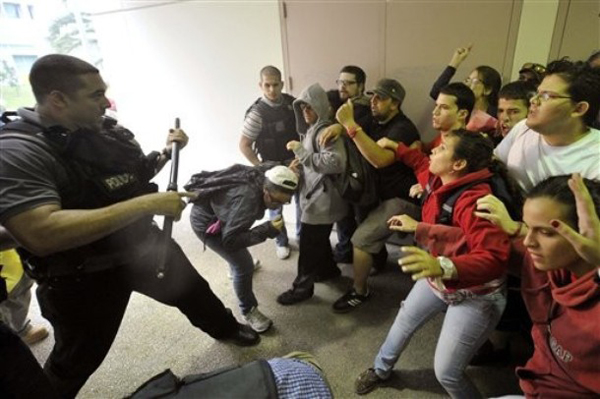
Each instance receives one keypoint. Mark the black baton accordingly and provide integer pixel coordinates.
(168, 223)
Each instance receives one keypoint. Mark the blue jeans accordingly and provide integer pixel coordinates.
(282, 239)
(466, 326)
(242, 269)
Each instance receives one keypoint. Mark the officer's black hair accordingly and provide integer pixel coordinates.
(57, 72)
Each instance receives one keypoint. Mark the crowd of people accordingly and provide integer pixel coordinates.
(506, 196)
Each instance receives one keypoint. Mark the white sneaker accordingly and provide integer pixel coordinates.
(258, 321)
(283, 252)
(257, 265)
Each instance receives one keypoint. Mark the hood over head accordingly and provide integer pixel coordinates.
(315, 96)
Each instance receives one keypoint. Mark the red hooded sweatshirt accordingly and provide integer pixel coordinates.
(488, 247)
(566, 334)
(566, 322)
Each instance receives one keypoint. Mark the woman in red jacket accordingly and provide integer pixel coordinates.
(560, 286)
(470, 286)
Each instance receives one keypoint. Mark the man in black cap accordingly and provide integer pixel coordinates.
(394, 180)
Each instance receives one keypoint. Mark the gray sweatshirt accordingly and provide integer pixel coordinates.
(320, 201)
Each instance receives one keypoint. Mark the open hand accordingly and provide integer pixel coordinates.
(586, 242)
(494, 210)
(419, 263)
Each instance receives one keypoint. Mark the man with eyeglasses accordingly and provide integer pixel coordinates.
(350, 86)
(556, 138)
(268, 126)
(229, 203)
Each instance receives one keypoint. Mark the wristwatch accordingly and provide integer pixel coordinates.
(447, 266)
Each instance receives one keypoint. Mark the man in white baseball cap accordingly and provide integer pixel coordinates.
(228, 204)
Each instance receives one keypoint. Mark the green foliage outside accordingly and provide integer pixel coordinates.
(15, 97)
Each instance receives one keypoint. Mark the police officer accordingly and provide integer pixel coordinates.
(75, 194)
(268, 126)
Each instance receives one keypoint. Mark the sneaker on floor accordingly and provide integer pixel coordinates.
(349, 301)
(34, 334)
(293, 296)
(367, 381)
(257, 265)
(283, 252)
(258, 321)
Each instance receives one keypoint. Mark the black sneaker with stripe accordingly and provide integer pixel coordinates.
(349, 301)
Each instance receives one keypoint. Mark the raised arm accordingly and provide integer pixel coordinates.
(459, 55)
(377, 156)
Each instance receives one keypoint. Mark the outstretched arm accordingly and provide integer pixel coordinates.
(47, 229)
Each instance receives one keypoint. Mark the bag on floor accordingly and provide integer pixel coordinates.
(253, 380)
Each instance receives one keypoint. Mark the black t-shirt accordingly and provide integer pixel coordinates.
(395, 180)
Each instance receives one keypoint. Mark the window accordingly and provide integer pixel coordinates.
(12, 10)
(24, 63)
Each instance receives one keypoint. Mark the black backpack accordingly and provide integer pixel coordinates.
(207, 183)
(499, 189)
(358, 183)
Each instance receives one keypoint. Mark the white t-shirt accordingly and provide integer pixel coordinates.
(530, 159)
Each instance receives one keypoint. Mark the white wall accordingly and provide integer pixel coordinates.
(536, 26)
(196, 60)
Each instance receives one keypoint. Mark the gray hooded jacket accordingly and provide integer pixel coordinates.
(320, 201)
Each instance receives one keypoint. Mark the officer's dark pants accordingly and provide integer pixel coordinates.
(20, 373)
(86, 311)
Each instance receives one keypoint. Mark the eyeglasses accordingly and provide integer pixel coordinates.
(305, 107)
(534, 67)
(545, 96)
(345, 83)
(472, 82)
